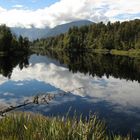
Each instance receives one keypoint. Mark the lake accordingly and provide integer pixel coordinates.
(111, 86)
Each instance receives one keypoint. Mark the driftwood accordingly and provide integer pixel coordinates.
(43, 98)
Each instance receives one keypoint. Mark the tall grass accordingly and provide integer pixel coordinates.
(27, 126)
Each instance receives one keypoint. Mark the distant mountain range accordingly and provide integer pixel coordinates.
(65, 27)
(34, 33)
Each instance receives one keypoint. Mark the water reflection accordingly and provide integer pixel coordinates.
(112, 89)
(7, 63)
(99, 65)
(105, 91)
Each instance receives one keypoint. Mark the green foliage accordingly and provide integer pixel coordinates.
(36, 127)
(5, 38)
(9, 42)
(120, 36)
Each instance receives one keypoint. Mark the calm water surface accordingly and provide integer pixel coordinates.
(111, 86)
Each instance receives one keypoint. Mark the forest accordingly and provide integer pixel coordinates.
(118, 35)
(10, 43)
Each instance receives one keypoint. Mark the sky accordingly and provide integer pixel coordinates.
(42, 13)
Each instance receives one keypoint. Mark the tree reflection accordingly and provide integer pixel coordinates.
(7, 63)
(99, 65)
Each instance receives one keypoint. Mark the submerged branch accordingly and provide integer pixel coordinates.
(38, 99)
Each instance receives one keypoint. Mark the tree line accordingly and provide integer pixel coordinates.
(118, 35)
(9, 42)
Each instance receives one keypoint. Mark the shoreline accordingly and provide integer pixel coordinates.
(130, 53)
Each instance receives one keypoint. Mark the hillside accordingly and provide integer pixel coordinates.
(65, 27)
(34, 33)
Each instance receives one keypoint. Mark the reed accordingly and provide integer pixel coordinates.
(29, 126)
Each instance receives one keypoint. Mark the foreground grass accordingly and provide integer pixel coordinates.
(37, 127)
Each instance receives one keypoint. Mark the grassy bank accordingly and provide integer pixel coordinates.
(130, 53)
(29, 126)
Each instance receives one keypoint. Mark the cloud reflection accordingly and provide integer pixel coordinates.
(122, 93)
(115, 90)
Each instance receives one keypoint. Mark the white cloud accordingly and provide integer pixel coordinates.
(8, 94)
(2, 10)
(17, 6)
(69, 10)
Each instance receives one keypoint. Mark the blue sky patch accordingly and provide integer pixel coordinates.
(127, 16)
(27, 4)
